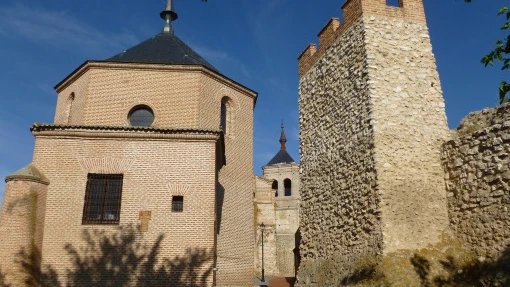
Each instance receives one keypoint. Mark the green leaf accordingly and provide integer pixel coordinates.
(501, 53)
(504, 88)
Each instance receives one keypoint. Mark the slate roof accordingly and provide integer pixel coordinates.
(163, 48)
(281, 157)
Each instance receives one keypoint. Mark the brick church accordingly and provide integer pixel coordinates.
(145, 178)
(149, 162)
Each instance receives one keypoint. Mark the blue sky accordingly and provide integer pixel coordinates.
(255, 42)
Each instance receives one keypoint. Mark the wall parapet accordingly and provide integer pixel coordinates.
(352, 10)
(477, 175)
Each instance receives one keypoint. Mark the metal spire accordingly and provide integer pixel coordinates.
(283, 139)
(168, 15)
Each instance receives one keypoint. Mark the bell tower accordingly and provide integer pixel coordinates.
(284, 172)
(153, 141)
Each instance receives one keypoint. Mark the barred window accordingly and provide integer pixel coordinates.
(102, 199)
(177, 203)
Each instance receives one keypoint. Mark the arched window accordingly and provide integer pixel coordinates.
(275, 187)
(226, 115)
(287, 185)
(70, 101)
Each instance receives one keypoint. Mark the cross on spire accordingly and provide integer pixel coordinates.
(168, 15)
(283, 139)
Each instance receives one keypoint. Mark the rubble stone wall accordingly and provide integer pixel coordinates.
(339, 217)
(287, 225)
(372, 122)
(408, 114)
(477, 166)
(265, 213)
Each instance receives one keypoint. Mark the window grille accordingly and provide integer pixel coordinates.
(287, 185)
(102, 199)
(177, 203)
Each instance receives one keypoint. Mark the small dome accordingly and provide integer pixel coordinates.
(28, 173)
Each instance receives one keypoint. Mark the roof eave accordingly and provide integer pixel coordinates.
(281, 164)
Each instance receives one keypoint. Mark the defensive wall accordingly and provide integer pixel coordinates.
(477, 167)
(381, 174)
(372, 124)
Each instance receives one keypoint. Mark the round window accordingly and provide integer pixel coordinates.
(141, 116)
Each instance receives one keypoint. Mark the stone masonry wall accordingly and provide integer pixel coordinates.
(477, 167)
(408, 113)
(371, 180)
(339, 217)
(265, 213)
(287, 215)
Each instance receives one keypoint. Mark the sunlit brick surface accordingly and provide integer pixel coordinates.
(156, 164)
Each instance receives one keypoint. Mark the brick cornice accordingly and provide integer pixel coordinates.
(25, 178)
(39, 130)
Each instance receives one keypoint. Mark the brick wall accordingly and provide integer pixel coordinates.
(154, 169)
(236, 187)
(111, 93)
(71, 102)
(183, 97)
(18, 218)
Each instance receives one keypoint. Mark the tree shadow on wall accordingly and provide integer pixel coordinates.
(2, 280)
(477, 274)
(360, 275)
(427, 269)
(120, 260)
